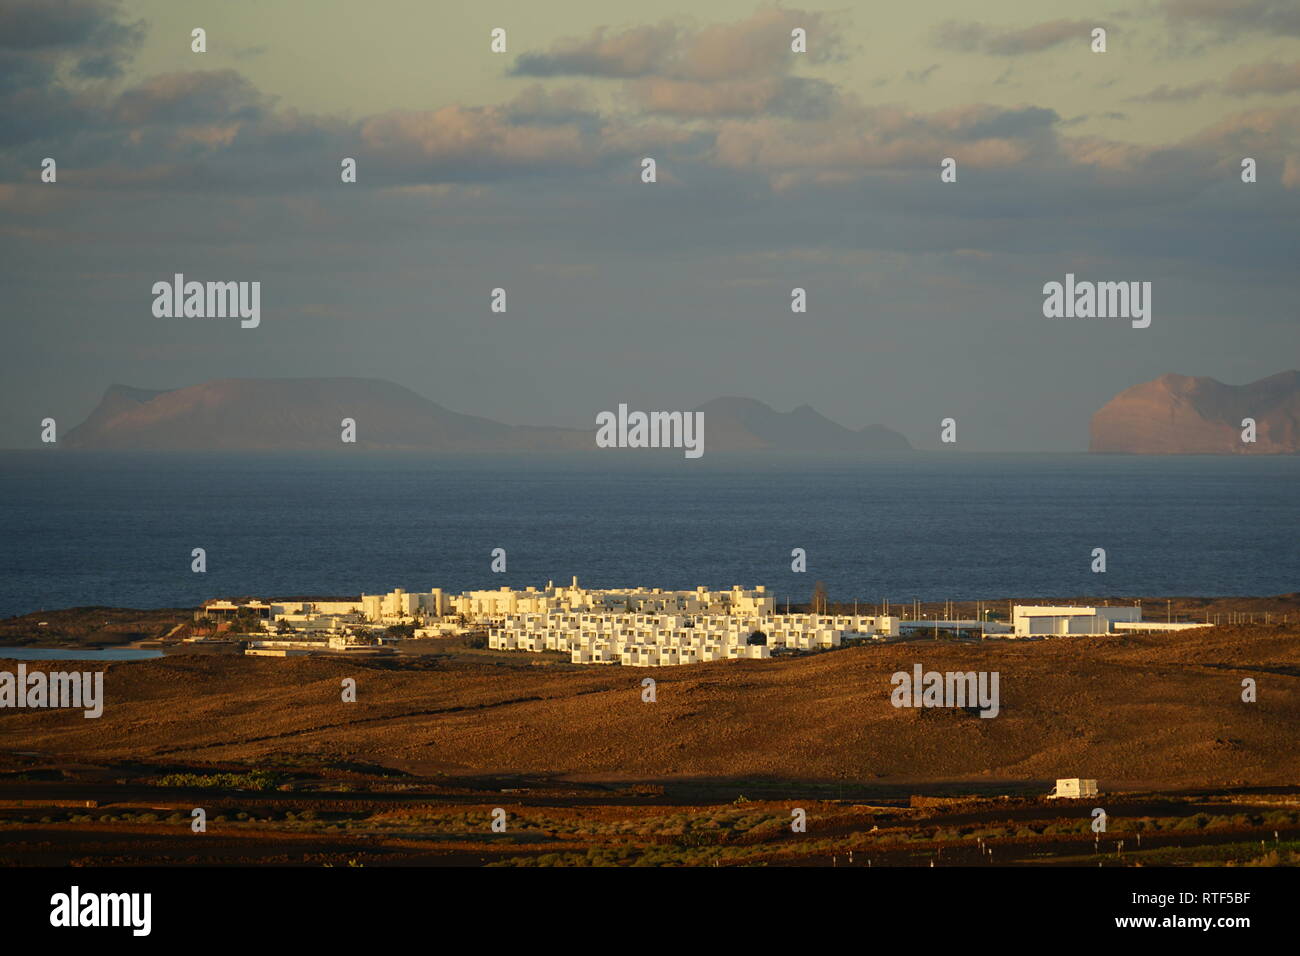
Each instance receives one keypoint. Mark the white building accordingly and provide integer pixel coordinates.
(1073, 788)
(643, 627)
(664, 640)
(1041, 620)
(489, 606)
(402, 607)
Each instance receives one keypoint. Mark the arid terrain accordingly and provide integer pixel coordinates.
(708, 773)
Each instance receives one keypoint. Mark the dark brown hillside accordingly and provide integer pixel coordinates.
(1141, 711)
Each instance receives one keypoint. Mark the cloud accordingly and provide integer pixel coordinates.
(1230, 17)
(635, 52)
(1291, 172)
(920, 76)
(54, 55)
(977, 122)
(215, 131)
(1176, 94)
(1264, 78)
(88, 31)
(540, 104)
(32, 25)
(740, 68)
(457, 137)
(757, 46)
(968, 37)
(788, 95)
(854, 142)
(1271, 136)
(181, 99)
(1208, 158)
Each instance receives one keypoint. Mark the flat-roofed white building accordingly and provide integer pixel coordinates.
(339, 608)
(1073, 788)
(1043, 620)
(664, 640)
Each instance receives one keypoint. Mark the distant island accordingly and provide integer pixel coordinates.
(1183, 415)
(1170, 415)
(304, 414)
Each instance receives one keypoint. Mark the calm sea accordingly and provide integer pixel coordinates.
(84, 529)
(77, 654)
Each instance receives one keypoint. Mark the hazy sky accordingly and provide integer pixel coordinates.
(776, 170)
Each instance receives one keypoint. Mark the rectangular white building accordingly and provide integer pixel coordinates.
(1073, 788)
(1043, 620)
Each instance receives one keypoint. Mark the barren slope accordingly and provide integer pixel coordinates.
(1140, 710)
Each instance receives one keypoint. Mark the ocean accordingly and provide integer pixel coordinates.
(113, 529)
(77, 654)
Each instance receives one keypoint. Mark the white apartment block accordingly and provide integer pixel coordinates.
(505, 602)
(401, 607)
(663, 640)
(484, 607)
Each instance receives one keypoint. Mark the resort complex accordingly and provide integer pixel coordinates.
(656, 640)
(637, 627)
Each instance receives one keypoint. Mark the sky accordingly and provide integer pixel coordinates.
(775, 170)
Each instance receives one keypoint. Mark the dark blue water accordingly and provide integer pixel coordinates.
(76, 654)
(80, 529)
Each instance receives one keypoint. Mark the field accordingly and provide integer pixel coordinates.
(709, 773)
